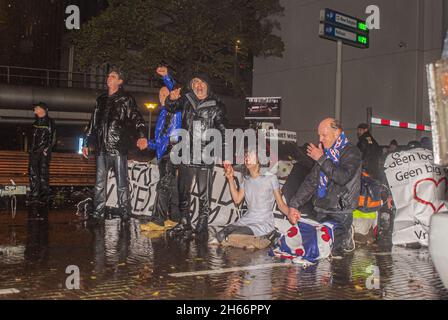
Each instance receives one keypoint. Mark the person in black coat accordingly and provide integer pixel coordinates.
(115, 113)
(201, 111)
(42, 141)
(334, 183)
(370, 150)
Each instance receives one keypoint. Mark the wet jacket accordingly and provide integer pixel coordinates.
(166, 125)
(165, 128)
(112, 119)
(344, 184)
(210, 113)
(44, 135)
(371, 154)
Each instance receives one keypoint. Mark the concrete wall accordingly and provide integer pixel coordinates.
(390, 76)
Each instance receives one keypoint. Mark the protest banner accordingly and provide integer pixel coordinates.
(418, 188)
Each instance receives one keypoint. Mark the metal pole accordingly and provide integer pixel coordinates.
(149, 126)
(70, 66)
(235, 63)
(338, 101)
(369, 117)
(7, 74)
(25, 142)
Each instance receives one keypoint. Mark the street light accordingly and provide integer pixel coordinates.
(150, 106)
(237, 47)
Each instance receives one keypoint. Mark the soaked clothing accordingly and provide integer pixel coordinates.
(371, 154)
(166, 205)
(198, 116)
(204, 181)
(119, 164)
(43, 138)
(342, 189)
(42, 141)
(112, 120)
(260, 199)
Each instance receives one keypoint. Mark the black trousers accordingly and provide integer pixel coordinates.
(166, 205)
(39, 174)
(342, 228)
(119, 164)
(204, 183)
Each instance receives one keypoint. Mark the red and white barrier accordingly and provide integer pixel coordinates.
(400, 124)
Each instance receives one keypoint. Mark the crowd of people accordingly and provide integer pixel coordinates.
(324, 185)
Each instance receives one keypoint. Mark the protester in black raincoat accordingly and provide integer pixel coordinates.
(202, 111)
(42, 141)
(371, 151)
(115, 115)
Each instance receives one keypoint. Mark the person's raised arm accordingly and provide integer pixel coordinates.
(166, 77)
(237, 195)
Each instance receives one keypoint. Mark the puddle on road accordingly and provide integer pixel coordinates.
(118, 258)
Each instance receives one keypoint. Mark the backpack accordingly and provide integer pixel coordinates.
(370, 197)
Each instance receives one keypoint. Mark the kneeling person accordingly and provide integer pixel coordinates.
(261, 191)
(334, 183)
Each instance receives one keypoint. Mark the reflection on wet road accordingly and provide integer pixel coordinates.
(117, 261)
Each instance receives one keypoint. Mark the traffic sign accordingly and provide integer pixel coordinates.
(338, 26)
(343, 20)
(344, 29)
(351, 38)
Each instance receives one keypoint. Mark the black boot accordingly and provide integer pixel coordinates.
(183, 227)
(202, 225)
(221, 235)
(126, 215)
(96, 216)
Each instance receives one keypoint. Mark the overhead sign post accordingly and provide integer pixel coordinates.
(344, 29)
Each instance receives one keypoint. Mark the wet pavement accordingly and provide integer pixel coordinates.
(119, 262)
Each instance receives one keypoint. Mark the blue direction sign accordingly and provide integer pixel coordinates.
(330, 32)
(343, 20)
(337, 26)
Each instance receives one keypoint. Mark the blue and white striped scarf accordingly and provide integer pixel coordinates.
(333, 153)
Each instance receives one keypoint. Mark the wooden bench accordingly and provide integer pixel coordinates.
(66, 169)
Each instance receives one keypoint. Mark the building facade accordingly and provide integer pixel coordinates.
(389, 76)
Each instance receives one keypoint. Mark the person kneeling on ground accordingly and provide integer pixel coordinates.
(334, 183)
(261, 191)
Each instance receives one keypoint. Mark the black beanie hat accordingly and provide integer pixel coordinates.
(43, 105)
(204, 77)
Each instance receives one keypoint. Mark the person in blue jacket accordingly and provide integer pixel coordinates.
(166, 206)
